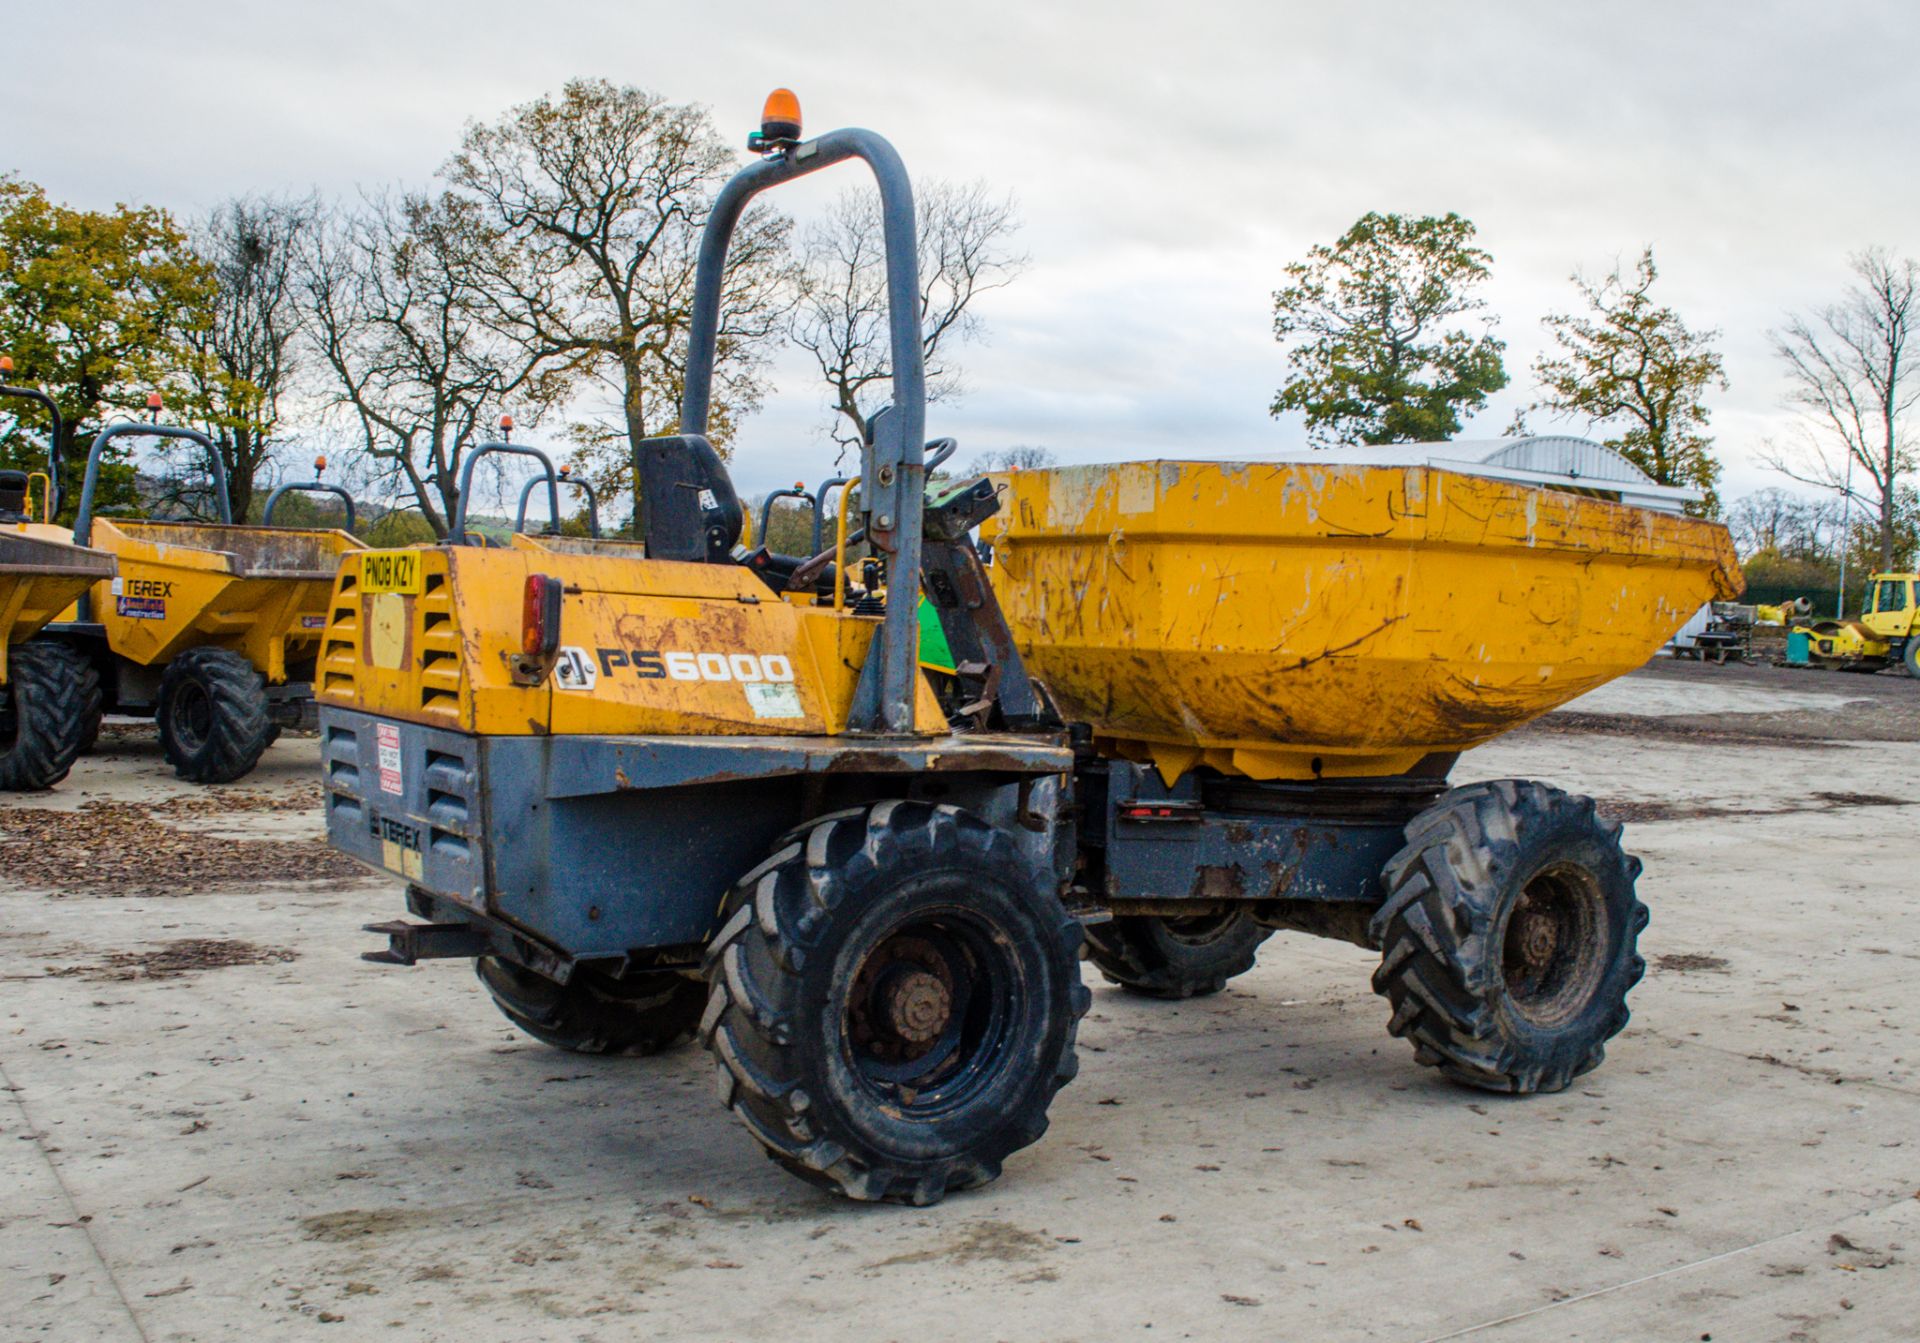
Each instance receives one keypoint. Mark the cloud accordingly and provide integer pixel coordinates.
(1168, 159)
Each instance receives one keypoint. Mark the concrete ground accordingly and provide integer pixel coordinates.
(220, 1124)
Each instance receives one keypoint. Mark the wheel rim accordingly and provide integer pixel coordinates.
(192, 716)
(931, 1016)
(1553, 952)
(1200, 930)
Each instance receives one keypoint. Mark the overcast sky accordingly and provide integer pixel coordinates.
(1168, 159)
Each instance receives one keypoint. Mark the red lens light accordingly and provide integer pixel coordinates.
(540, 616)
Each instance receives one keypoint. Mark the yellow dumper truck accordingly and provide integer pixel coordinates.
(707, 791)
(210, 627)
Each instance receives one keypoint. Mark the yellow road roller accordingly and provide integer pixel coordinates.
(1886, 634)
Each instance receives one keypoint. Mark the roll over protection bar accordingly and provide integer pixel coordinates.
(893, 465)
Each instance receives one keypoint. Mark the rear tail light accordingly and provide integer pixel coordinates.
(540, 616)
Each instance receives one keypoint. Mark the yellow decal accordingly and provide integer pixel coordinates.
(387, 630)
(391, 571)
(398, 858)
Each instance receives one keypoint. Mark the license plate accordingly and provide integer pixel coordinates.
(391, 571)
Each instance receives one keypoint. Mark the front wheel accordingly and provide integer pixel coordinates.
(213, 715)
(894, 1000)
(1910, 656)
(49, 709)
(1508, 937)
(1175, 957)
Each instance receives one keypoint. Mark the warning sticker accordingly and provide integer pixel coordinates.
(313, 622)
(774, 699)
(141, 608)
(387, 737)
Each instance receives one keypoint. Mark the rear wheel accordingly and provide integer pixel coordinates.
(893, 1002)
(1508, 937)
(1910, 655)
(1175, 957)
(49, 708)
(594, 1013)
(213, 715)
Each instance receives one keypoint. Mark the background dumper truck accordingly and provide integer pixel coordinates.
(709, 792)
(211, 627)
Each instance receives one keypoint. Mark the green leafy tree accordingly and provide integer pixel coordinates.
(1634, 366)
(401, 527)
(95, 308)
(1383, 334)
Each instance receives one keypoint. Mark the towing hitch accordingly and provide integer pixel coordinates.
(410, 943)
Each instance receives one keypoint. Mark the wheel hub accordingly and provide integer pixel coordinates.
(917, 1004)
(1554, 952)
(904, 1002)
(1537, 936)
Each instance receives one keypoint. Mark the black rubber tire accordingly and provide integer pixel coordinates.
(942, 913)
(1175, 958)
(1454, 963)
(213, 715)
(594, 1013)
(90, 734)
(51, 698)
(1910, 656)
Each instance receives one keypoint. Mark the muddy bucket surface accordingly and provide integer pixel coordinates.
(1295, 620)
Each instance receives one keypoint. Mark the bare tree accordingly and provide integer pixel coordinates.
(600, 196)
(1019, 457)
(242, 359)
(1851, 381)
(1785, 524)
(397, 318)
(841, 317)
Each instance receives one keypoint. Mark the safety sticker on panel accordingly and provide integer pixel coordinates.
(774, 699)
(387, 738)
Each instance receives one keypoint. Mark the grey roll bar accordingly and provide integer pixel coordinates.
(48, 404)
(820, 510)
(584, 486)
(766, 512)
(306, 487)
(83, 524)
(457, 533)
(893, 466)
